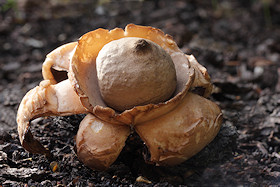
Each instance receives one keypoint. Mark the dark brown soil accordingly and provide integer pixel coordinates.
(239, 43)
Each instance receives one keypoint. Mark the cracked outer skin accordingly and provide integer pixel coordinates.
(99, 143)
(45, 100)
(178, 135)
(59, 59)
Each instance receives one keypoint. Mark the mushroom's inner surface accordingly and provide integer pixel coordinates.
(134, 71)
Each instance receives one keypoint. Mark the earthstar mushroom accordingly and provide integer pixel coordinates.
(174, 122)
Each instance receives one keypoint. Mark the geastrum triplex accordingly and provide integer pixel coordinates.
(135, 79)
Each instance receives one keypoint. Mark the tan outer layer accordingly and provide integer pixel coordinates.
(183, 132)
(99, 143)
(83, 73)
(58, 59)
(45, 100)
(202, 78)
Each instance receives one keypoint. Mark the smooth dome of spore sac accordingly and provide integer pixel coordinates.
(134, 71)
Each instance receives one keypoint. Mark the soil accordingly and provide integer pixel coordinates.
(239, 43)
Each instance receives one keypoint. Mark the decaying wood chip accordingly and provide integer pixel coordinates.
(143, 179)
